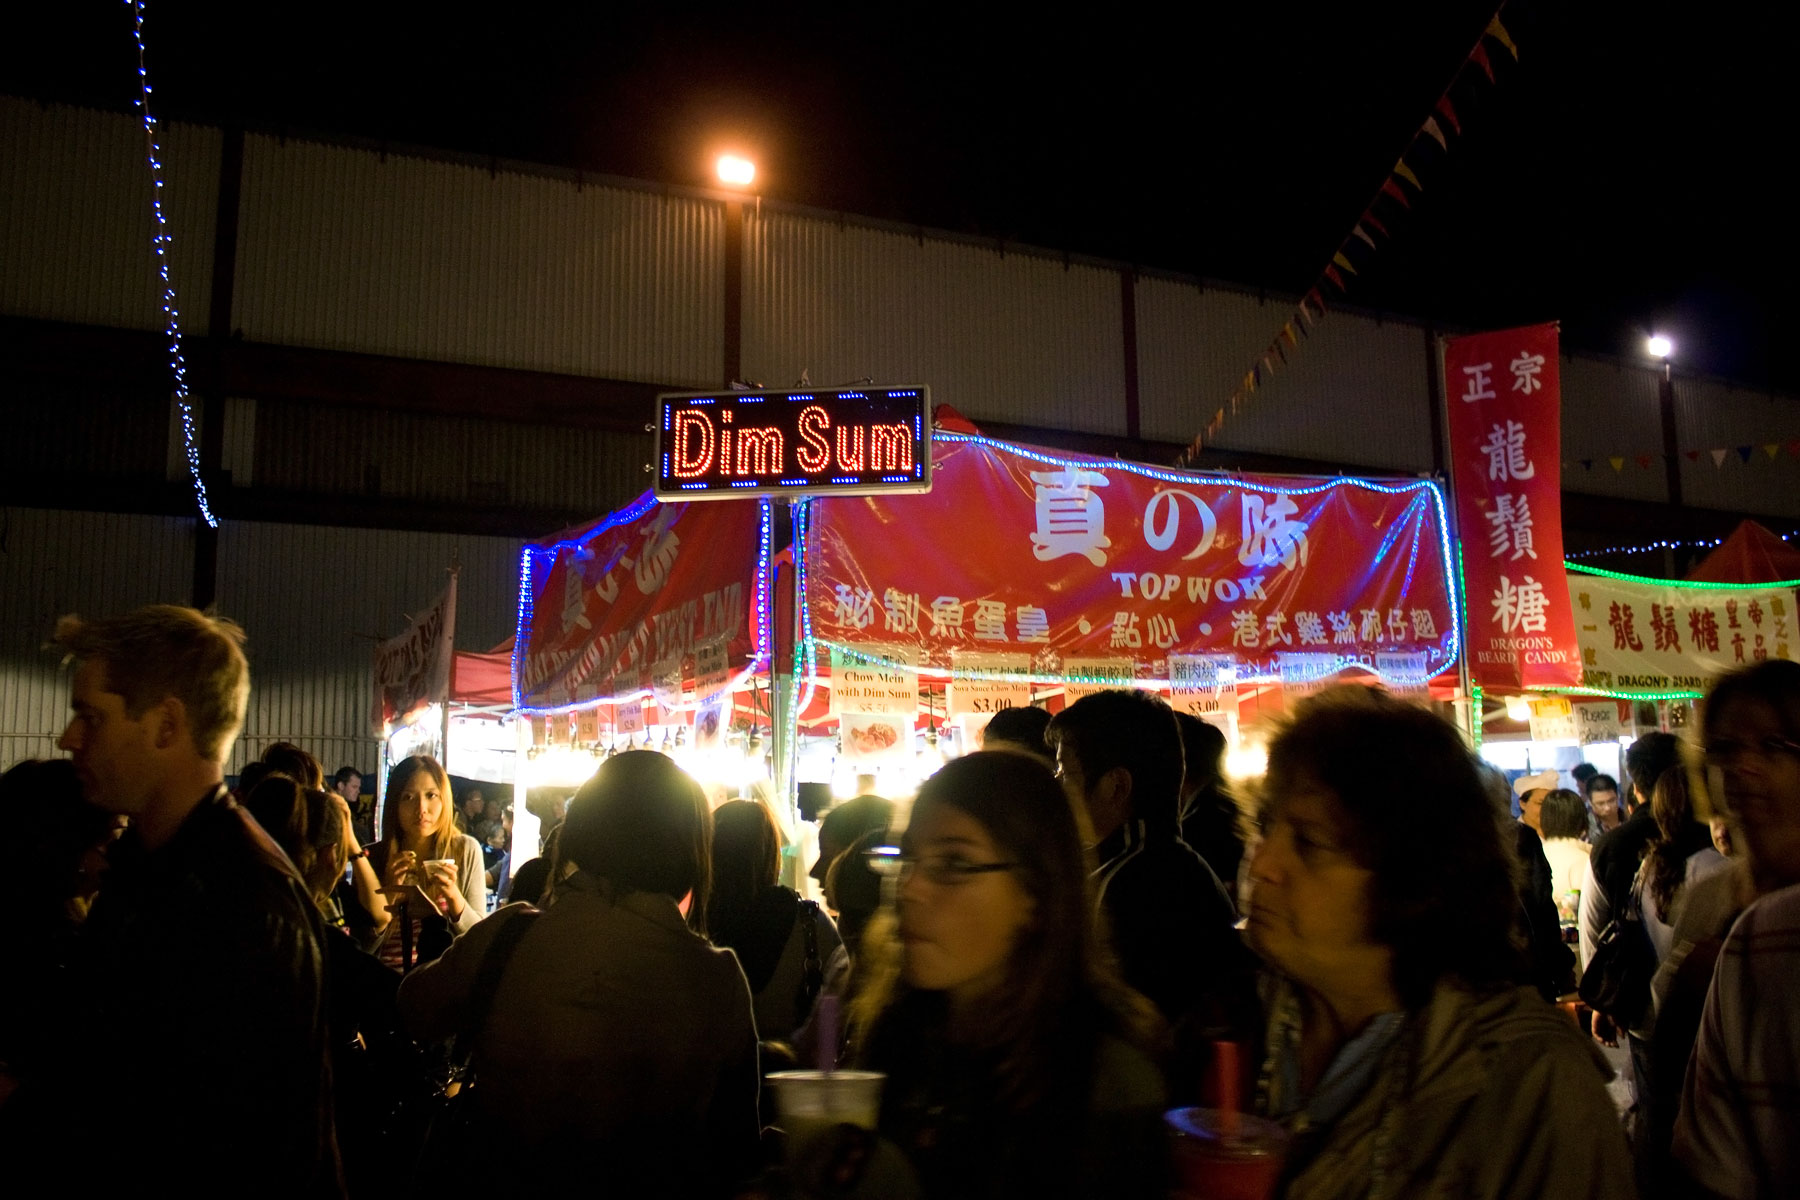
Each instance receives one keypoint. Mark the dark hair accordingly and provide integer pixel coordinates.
(1022, 727)
(1773, 684)
(1598, 783)
(1202, 750)
(344, 774)
(1443, 894)
(640, 824)
(1673, 807)
(1061, 989)
(1563, 815)
(307, 826)
(1132, 729)
(1582, 772)
(1647, 758)
(854, 890)
(46, 827)
(746, 859)
(295, 763)
(448, 837)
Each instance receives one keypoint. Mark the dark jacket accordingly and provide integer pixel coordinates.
(1552, 963)
(1174, 931)
(1098, 1132)
(201, 1060)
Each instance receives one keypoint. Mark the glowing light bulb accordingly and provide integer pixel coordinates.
(735, 171)
(1659, 346)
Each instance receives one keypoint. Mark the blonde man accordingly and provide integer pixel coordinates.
(197, 1052)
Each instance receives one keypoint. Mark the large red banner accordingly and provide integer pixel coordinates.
(1505, 409)
(1028, 554)
(1504, 394)
(620, 607)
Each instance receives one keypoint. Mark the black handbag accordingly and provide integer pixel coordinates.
(449, 1124)
(1616, 981)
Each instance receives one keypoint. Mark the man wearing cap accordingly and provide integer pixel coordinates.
(1531, 790)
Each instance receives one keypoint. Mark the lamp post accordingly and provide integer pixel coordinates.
(1661, 347)
(734, 171)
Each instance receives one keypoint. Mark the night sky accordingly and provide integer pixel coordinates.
(1624, 174)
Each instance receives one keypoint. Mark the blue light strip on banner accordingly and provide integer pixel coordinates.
(533, 558)
(1436, 662)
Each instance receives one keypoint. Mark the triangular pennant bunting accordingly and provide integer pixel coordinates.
(1692, 455)
(1618, 464)
(1343, 262)
(1643, 460)
(1497, 31)
(1431, 127)
(1744, 452)
(1793, 448)
(1772, 449)
(1331, 274)
(1405, 172)
(1360, 232)
(1587, 464)
(1287, 331)
(1370, 219)
(1448, 112)
(1718, 457)
(1393, 189)
(1480, 59)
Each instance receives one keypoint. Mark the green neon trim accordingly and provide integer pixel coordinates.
(1677, 583)
(1610, 694)
(1475, 692)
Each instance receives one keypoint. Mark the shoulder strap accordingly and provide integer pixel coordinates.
(487, 980)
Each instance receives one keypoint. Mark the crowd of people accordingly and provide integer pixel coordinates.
(1072, 931)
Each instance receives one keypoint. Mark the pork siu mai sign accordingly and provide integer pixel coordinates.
(847, 441)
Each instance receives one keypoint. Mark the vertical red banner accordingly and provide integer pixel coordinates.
(1504, 394)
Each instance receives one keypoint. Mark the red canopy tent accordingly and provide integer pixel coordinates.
(1752, 554)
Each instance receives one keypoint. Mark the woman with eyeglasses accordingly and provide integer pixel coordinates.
(1750, 730)
(1017, 1063)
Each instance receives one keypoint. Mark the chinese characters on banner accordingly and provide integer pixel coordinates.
(1503, 391)
(623, 605)
(1665, 637)
(1073, 563)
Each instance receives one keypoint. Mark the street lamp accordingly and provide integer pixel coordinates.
(735, 170)
(1659, 346)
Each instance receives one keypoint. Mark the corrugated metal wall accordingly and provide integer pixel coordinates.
(76, 218)
(331, 449)
(52, 563)
(345, 250)
(314, 600)
(1357, 391)
(109, 435)
(1610, 411)
(1013, 337)
(1715, 416)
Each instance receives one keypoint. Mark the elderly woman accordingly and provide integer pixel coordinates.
(1400, 1055)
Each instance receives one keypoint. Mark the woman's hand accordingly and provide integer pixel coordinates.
(351, 846)
(440, 883)
(400, 870)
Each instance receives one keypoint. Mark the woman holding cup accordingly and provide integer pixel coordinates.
(1400, 1054)
(1016, 1060)
(430, 871)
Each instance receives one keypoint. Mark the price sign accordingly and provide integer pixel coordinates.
(988, 695)
(858, 686)
(1553, 720)
(1097, 675)
(1598, 722)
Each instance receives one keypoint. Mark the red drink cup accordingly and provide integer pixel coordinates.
(1211, 1165)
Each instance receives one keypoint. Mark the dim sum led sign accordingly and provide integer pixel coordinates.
(712, 445)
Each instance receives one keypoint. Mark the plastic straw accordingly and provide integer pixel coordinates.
(1225, 1068)
(828, 1033)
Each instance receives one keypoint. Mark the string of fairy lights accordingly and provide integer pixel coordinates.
(161, 242)
(1652, 547)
